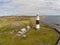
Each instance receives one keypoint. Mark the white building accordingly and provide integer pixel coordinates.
(37, 22)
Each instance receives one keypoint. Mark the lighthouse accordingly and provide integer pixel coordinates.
(37, 22)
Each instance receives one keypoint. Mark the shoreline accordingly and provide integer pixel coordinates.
(56, 31)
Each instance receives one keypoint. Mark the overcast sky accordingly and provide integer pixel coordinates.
(29, 7)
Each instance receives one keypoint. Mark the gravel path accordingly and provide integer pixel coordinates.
(58, 43)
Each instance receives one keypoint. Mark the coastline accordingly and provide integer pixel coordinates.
(56, 29)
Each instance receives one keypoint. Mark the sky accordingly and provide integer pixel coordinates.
(29, 7)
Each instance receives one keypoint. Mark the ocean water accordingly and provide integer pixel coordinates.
(52, 21)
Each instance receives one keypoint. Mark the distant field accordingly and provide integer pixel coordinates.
(45, 36)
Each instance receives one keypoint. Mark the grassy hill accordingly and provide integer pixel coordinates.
(45, 36)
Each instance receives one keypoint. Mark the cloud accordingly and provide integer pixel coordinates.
(29, 7)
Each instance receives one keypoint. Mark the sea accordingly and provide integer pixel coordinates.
(52, 21)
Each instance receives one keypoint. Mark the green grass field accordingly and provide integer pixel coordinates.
(45, 36)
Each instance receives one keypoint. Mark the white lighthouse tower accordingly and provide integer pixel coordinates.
(37, 22)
